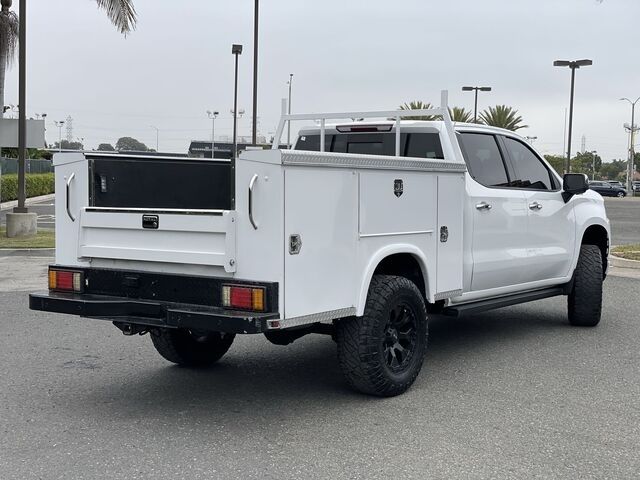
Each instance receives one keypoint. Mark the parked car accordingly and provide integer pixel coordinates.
(617, 183)
(636, 186)
(608, 189)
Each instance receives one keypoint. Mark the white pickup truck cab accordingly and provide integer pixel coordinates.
(360, 231)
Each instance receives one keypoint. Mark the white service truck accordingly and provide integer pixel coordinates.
(360, 231)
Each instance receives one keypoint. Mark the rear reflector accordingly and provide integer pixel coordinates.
(243, 297)
(66, 280)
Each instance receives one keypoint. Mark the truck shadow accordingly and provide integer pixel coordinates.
(267, 384)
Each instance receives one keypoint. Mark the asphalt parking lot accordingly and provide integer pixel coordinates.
(624, 214)
(45, 210)
(516, 393)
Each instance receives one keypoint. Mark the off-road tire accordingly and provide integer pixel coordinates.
(585, 299)
(191, 349)
(364, 343)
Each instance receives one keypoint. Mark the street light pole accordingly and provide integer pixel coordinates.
(59, 124)
(593, 156)
(22, 115)
(289, 123)
(573, 65)
(475, 107)
(255, 73)
(212, 116)
(631, 167)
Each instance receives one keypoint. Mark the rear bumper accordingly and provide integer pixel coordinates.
(151, 313)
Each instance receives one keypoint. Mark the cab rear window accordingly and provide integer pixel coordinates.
(420, 145)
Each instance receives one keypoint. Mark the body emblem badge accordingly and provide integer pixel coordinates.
(398, 187)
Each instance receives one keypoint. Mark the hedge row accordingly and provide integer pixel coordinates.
(37, 184)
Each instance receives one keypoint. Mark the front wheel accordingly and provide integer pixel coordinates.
(585, 299)
(620, 194)
(190, 348)
(381, 353)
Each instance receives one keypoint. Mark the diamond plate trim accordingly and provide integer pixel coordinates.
(449, 294)
(321, 317)
(321, 159)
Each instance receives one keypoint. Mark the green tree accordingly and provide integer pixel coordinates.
(67, 145)
(418, 105)
(557, 162)
(106, 147)
(584, 163)
(9, 26)
(502, 116)
(459, 114)
(131, 144)
(615, 170)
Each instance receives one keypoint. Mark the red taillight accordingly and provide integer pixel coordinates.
(243, 297)
(66, 280)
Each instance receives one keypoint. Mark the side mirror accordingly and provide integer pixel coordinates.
(574, 184)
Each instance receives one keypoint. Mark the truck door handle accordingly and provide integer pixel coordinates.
(251, 185)
(71, 177)
(483, 206)
(535, 206)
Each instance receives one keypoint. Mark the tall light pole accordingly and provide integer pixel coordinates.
(157, 137)
(290, 82)
(59, 124)
(213, 116)
(255, 73)
(573, 65)
(475, 108)
(632, 129)
(22, 115)
(593, 157)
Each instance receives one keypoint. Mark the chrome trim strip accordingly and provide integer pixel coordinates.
(166, 211)
(321, 317)
(394, 234)
(341, 160)
(445, 295)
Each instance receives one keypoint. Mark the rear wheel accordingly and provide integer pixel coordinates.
(381, 353)
(585, 299)
(620, 194)
(191, 348)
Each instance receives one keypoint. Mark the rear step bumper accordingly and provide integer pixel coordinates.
(151, 314)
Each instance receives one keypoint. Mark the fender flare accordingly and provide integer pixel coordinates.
(378, 257)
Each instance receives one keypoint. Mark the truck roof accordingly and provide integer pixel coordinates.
(406, 125)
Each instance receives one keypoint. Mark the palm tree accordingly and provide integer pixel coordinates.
(121, 13)
(418, 105)
(8, 44)
(459, 114)
(502, 116)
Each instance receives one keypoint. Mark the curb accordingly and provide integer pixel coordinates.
(623, 262)
(27, 252)
(30, 201)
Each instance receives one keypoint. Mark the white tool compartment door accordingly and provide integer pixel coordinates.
(321, 208)
(449, 233)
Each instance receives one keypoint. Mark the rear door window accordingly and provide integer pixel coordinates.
(484, 160)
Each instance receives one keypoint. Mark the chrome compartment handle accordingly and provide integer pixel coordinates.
(69, 180)
(483, 206)
(251, 185)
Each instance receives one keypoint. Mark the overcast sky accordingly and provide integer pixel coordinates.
(345, 55)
